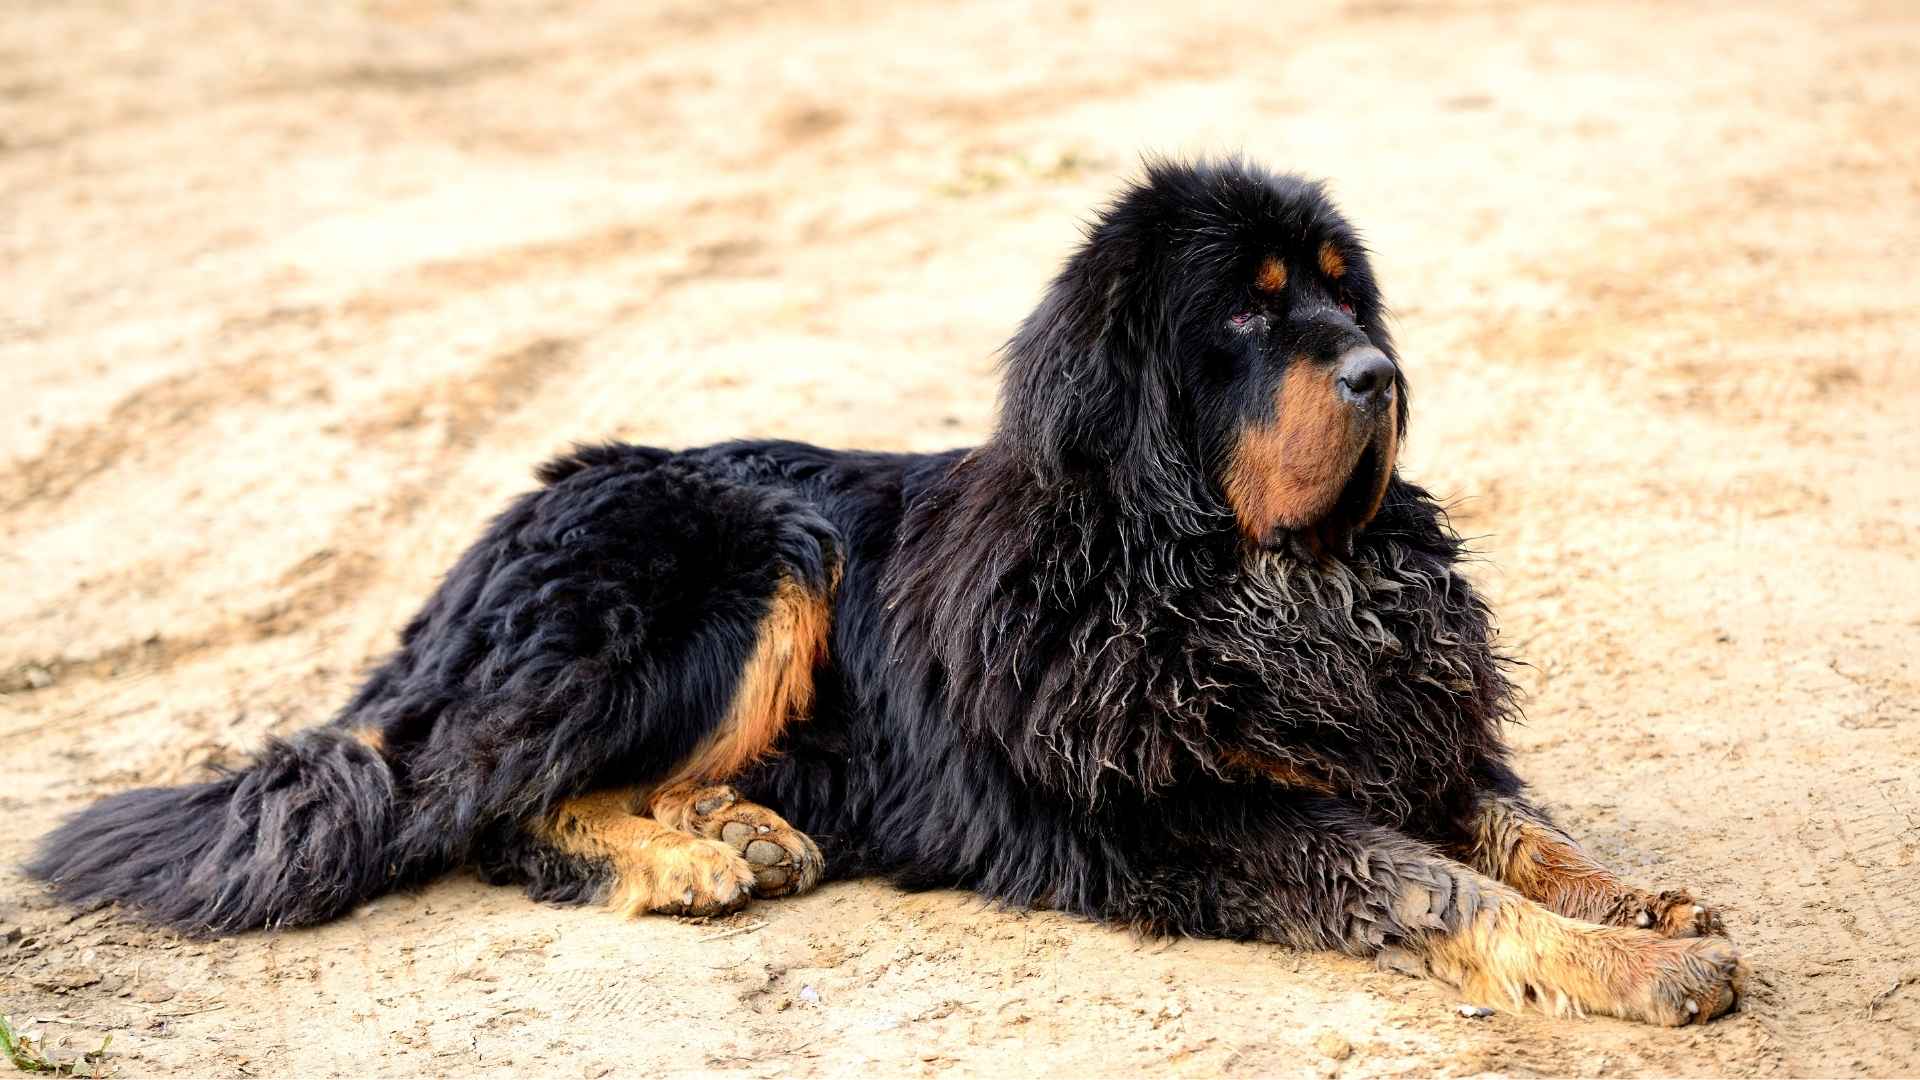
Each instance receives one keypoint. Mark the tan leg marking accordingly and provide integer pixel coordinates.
(1514, 953)
(1519, 845)
(655, 868)
(776, 686)
(785, 860)
(685, 861)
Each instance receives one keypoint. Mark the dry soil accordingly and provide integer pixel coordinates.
(292, 296)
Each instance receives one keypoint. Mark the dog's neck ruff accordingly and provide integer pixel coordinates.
(1114, 658)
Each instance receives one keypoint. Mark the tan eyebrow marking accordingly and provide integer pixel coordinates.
(1272, 277)
(1332, 263)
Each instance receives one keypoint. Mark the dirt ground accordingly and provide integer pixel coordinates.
(291, 302)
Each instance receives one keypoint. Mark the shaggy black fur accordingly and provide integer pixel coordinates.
(1053, 657)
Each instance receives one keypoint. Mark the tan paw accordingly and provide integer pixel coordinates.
(1674, 913)
(785, 860)
(677, 874)
(1688, 981)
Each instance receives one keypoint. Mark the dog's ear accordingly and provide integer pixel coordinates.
(1088, 378)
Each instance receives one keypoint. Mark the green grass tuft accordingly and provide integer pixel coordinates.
(29, 1057)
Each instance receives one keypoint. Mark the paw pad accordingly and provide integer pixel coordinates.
(783, 859)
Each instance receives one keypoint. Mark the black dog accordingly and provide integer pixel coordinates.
(1175, 649)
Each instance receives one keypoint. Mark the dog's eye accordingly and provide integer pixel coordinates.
(1252, 323)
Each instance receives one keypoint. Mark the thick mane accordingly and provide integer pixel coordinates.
(1110, 661)
(1027, 614)
(1075, 592)
(1380, 668)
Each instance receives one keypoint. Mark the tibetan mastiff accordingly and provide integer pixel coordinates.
(1175, 649)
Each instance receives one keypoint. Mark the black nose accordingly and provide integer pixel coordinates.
(1366, 376)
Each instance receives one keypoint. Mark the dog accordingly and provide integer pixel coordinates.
(1175, 649)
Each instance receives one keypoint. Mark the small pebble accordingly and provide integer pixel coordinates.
(1333, 1045)
(809, 995)
(72, 977)
(1475, 1012)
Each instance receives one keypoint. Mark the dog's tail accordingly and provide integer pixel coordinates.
(297, 837)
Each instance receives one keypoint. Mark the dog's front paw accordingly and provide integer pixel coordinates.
(1689, 982)
(1674, 913)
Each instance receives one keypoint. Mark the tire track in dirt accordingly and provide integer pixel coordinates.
(170, 408)
(329, 579)
(1860, 849)
(149, 416)
(1745, 346)
(366, 76)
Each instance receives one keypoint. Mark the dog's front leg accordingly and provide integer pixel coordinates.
(1514, 841)
(1319, 874)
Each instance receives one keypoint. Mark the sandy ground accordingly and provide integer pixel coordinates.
(290, 303)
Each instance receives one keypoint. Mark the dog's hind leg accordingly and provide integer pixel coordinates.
(689, 845)
(721, 596)
(775, 686)
(602, 847)
(1516, 842)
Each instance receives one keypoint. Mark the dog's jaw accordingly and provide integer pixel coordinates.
(1353, 508)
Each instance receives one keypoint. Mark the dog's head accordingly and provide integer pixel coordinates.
(1218, 340)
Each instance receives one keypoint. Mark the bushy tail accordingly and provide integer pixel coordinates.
(297, 837)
